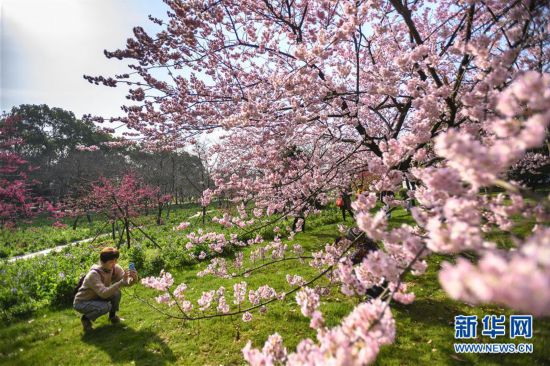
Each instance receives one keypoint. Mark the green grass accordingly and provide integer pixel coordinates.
(40, 234)
(32, 238)
(425, 331)
(150, 338)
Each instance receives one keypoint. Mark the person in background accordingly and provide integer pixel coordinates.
(100, 292)
(344, 203)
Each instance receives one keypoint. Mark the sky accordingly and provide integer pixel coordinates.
(46, 46)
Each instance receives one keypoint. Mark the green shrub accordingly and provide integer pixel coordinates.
(175, 256)
(28, 285)
(63, 291)
(155, 264)
(136, 255)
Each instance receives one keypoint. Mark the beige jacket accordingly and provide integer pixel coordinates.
(100, 285)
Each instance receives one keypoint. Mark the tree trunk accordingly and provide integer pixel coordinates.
(89, 217)
(168, 211)
(159, 214)
(127, 226)
(113, 230)
(75, 223)
(120, 235)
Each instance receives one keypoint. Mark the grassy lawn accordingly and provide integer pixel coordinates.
(40, 234)
(425, 331)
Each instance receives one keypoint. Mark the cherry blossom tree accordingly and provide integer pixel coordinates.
(16, 198)
(123, 200)
(314, 95)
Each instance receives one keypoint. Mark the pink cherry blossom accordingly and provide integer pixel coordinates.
(161, 283)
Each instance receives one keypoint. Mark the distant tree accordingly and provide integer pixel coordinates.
(52, 137)
(72, 153)
(123, 199)
(175, 172)
(16, 198)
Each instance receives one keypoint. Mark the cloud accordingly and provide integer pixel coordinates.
(46, 47)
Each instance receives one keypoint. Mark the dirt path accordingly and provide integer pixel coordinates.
(198, 214)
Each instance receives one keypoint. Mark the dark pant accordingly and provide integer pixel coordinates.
(93, 309)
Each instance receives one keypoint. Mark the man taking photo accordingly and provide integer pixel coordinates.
(100, 292)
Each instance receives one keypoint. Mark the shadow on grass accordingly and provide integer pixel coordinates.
(428, 311)
(322, 236)
(124, 344)
(427, 326)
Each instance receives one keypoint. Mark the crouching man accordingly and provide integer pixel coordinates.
(100, 290)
